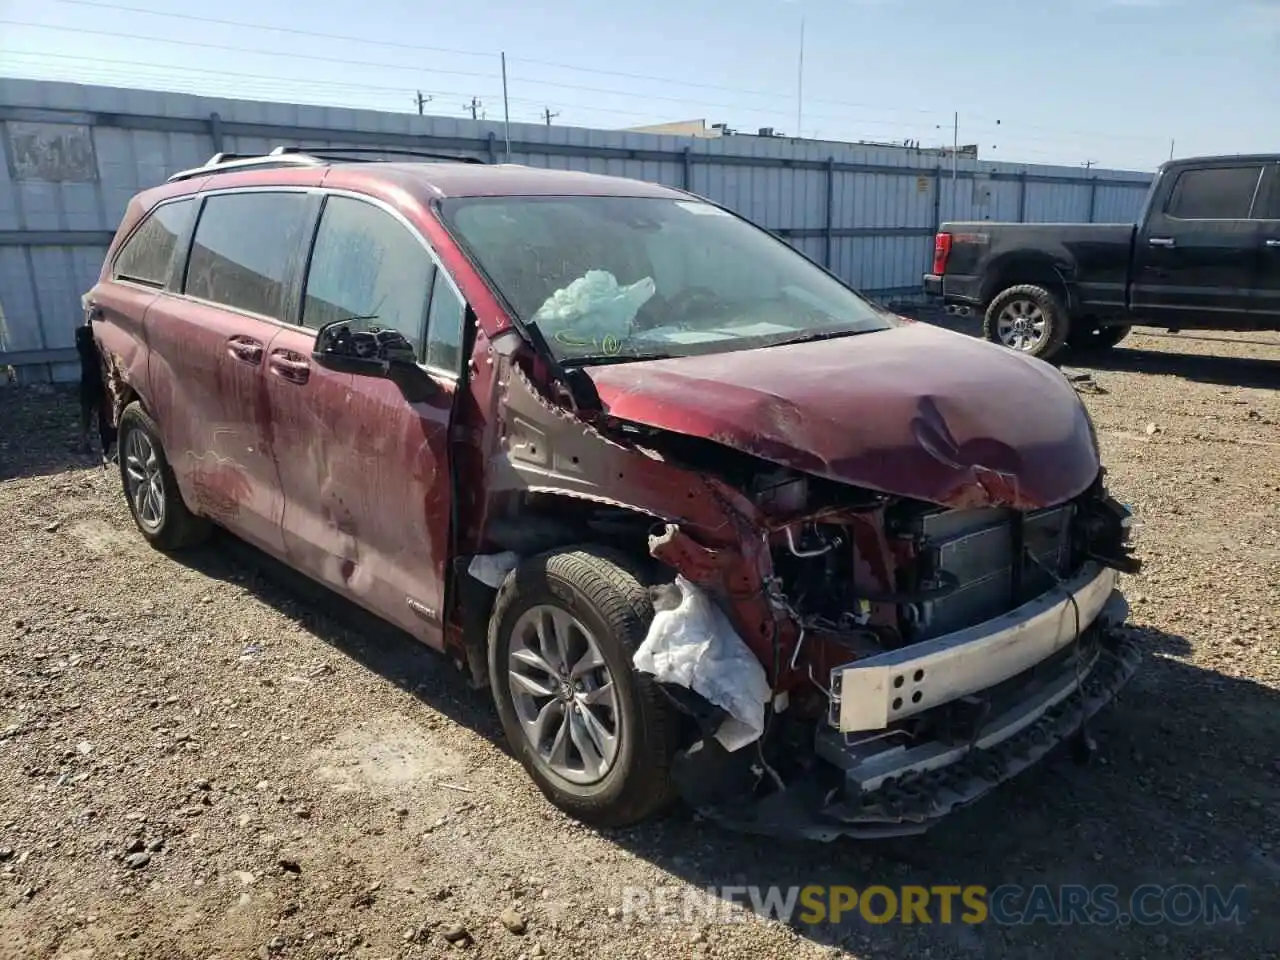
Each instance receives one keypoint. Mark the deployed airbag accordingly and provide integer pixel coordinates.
(695, 646)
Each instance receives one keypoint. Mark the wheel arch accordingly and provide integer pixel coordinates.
(1019, 269)
(532, 525)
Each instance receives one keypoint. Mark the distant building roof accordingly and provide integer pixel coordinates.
(700, 128)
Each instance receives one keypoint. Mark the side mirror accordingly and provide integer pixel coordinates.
(375, 352)
(370, 352)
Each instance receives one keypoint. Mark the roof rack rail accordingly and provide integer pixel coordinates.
(296, 156)
(226, 162)
(358, 153)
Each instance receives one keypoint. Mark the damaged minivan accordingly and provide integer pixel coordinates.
(708, 523)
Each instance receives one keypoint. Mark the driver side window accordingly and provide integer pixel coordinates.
(366, 264)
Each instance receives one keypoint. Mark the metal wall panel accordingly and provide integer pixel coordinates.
(866, 212)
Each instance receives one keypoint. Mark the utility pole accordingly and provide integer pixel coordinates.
(548, 115)
(1088, 164)
(422, 101)
(955, 161)
(1171, 149)
(800, 81)
(506, 110)
(474, 107)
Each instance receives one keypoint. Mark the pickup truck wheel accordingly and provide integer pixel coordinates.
(1089, 338)
(149, 485)
(596, 735)
(1027, 318)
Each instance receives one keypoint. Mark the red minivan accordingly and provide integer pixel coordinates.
(707, 522)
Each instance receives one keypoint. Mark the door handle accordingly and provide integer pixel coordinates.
(290, 366)
(1275, 244)
(1167, 242)
(245, 349)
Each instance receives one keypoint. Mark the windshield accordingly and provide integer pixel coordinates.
(618, 278)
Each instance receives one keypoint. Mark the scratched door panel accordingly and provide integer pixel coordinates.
(208, 397)
(362, 470)
(390, 480)
(318, 530)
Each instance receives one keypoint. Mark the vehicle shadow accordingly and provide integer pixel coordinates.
(1180, 792)
(350, 629)
(1225, 371)
(40, 432)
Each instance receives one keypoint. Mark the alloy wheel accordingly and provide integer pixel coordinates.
(564, 694)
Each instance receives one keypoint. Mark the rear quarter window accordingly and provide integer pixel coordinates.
(147, 256)
(1268, 205)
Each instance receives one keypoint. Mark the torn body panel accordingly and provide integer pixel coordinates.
(545, 450)
(117, 314)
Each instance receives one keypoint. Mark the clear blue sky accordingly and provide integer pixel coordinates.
(1108, 81)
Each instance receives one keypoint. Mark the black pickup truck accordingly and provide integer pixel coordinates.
(1205, 254)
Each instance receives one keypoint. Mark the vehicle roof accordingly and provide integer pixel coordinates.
(437, 179)
(1224, 158)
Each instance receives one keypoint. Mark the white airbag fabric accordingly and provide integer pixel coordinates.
(695, 646)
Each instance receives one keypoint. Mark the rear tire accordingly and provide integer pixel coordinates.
(1089, 338)
(150, 489)
(1027, 318)
(600, 753)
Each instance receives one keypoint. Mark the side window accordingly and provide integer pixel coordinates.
(445, 327)
(1218, 193)
(367, 264)
(245, 245)
(146, 256)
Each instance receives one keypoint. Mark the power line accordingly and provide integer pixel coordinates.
(121, 8)
(270, 88)
(848, 121)
(419, 70)
(390, 44)
(472, 53)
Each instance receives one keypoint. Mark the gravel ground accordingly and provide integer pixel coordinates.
(204, 757)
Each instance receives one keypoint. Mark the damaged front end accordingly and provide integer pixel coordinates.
(926, 654)
(854, 657)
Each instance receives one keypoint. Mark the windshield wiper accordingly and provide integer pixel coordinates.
(600, 360)
(818, 335)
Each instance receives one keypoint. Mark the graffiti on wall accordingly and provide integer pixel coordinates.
(55, 152)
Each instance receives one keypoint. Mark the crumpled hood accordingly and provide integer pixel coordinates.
(915, 411)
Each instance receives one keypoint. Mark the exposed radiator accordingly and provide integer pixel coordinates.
(977, 547)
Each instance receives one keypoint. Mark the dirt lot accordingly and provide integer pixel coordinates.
(203, 757)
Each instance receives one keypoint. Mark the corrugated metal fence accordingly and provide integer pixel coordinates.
(74, 155)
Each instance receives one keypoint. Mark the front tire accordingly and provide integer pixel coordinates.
(149, 485)
(1027, 318)
(596, 735)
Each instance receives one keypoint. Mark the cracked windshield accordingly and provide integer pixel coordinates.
(624, 278)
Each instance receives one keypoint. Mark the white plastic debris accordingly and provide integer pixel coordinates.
(695, 646)
(594, 307)
(492, 568)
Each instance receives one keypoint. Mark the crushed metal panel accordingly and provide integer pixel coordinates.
(914, 411)
(546, 448)
(53, 152)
